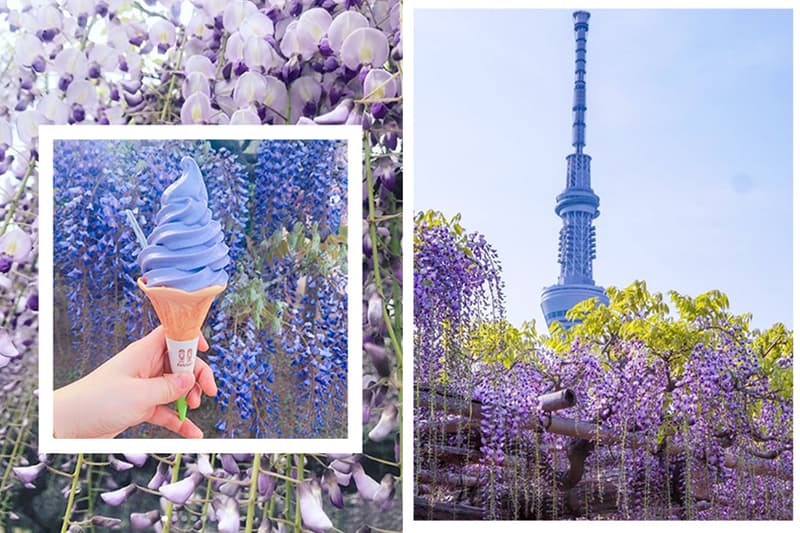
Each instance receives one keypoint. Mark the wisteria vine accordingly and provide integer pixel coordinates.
(677, 410)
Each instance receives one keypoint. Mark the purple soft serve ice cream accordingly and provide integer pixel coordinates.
(185, 250)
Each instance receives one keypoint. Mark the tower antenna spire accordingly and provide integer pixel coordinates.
(579, 101)
(577, 206)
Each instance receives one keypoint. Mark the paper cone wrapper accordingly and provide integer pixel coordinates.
(182, 354)
(182, 313)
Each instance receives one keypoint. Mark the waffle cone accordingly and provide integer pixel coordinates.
(182, 313)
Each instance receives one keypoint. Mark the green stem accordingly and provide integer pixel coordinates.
(374, 237)
(298, 520)
(287, 498)
(90, 490)
(175, 471)
(14, 203)
(268, 510)
(208, 495)
(72, 490)
(382, 461)
(171, 86)
(379, 284)
(251, 497)
(15, 450)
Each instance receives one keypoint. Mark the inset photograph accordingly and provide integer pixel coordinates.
(200, 288)
(603, 265)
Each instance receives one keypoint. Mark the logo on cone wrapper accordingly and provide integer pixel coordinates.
(181, 354)
(185, 357)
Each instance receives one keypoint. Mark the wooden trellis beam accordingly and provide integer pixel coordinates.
(471, 413)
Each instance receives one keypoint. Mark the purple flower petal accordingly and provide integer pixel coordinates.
(316, 22)
(256, 25)
(386, 490)
(379, 84)
(375, 310)
(250, 87)
(245, 116)
(196, 109)
(310, 500)
(180, 491)
(27, 474)
(266, 484)
(226, 510)
(386, 424)
(141, 521)
(204, 465)
(365, 46)
(159, 477)
(139, 459)
(367, 487)
(200, 63)
(342, 478)
(106, 521)
(195, 82)
(229, 463)
(162, 34)
(304, 89)
(342, 464)
(337, 115)
(342, 26)
(119, 466)
(380, 358)
(257, 53)
(277, 97)
(7, 348)
(331, 486)
(117, 497)
(236, 11)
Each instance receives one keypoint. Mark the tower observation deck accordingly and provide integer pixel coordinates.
(577, 206)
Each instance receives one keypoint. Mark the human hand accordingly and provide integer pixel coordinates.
(130, 388)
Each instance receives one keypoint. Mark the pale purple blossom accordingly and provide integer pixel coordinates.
(140, 521)
(342, 26)
(250, 88)
(309, 498)
(162, 35)
(117, 497)
(245, 116)
(27, 474)
(315, 22)
(196, 109)
(226, 510)
(365, 46)
(180, 491)
(367, 487)
(386, 424)
(138, 459)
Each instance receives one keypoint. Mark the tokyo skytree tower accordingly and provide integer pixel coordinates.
(577, 206)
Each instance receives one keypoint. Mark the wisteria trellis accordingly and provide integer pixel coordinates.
(682, 411)
(215, 62)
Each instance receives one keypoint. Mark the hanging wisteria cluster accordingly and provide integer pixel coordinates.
(644, 410)
(215, 62)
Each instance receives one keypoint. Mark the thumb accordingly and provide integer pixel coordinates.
(168, 388)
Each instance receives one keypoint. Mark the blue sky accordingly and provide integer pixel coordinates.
(689, 126)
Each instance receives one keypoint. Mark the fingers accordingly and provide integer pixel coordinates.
(193, 398)
(168, 418)
(202, 345)
(166, 388)
(205, 378)
(154, 341)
